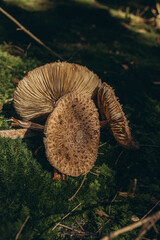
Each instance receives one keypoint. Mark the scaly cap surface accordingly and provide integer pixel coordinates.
(72, 135)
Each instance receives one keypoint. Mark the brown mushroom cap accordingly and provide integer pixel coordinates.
(111, 110)
(72, 135)
(36, 93)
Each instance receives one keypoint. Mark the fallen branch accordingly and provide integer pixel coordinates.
(29, 33)
(23, 225)
(147, 223)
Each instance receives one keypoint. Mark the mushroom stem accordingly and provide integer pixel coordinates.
(58, 176)
(26, 124)
(103, 123)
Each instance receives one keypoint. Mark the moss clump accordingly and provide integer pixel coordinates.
(12, 69)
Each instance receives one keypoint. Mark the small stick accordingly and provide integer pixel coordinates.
(102, 145)
(29, 33)
(70, 199)
(109, 211)
(9, 99)
(23, 225)
(80, 226)
(134, 185)
(66, 216)
(96, 174)
(99, 229)
(75, 230)
(149, 220)
(119, 156)
(150, 210)
(100, 153)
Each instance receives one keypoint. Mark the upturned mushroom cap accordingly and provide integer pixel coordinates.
(111, 110)
(36, 93)
(72, 135)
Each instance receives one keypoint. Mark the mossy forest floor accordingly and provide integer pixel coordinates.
(121, 44)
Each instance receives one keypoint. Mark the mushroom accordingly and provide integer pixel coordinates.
(62, 94)
(72, 133)
(111, 111)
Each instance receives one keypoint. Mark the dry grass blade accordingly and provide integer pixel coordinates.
(147, 223)
(29, 33)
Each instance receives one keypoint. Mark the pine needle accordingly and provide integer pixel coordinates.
(23, 225)
(66, 216)
(70, 199)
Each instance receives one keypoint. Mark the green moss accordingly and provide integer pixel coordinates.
(11, 68)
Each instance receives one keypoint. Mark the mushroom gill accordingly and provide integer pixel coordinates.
(72, 133)
(37, 93)
(112, 111)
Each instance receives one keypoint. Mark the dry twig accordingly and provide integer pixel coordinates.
(109, 211)
(29, 33)
(96, 174)
(70, 199)
(72, 229)
(119, 156)
(66, 216)
(23, 225)
(100, 229)
(147, 223)
(102, 144)
(80, 226)
(150, 210)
